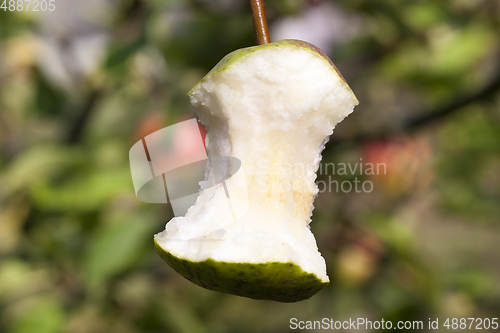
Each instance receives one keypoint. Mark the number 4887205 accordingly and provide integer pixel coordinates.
(27, 5)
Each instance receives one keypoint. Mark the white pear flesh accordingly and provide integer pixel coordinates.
(273, 107)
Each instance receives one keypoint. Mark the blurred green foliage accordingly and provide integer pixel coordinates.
(80, 85)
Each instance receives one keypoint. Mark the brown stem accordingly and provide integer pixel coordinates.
(260, 21)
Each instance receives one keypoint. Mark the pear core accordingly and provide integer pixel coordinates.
(273, 107)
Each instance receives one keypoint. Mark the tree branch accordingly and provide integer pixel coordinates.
(487, 91)
(260, 21)
(426, 118)
(77, 128)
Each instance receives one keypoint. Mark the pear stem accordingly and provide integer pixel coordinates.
(260, 21)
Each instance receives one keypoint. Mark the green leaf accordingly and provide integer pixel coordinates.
(43, 314)
(117, 247)
(36, 164)
(84, 193)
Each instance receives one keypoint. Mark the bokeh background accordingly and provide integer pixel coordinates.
(80, 85)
